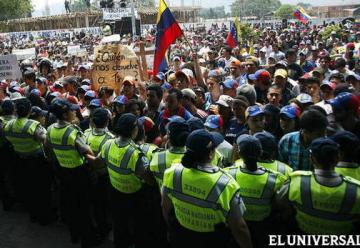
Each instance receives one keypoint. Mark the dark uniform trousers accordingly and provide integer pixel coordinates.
(181, 237)
(32, 177)
(75, 200)
(100, 202)
(7, 186)
(129, 220)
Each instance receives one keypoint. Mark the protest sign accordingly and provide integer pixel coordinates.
(22, 54)
(113, 14)
(112, 63)
(9, 67)
(73, 50)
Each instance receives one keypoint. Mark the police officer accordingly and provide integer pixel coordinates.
(6, 176)
(258, 188)
(198, 199)
(269, 152)
(65, 144)
(177, 132)
(324, 201)
(126, 166)
(33, 175)
(96, 137)
(349, 154)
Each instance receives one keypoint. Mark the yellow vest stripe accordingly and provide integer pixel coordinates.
(268, 191)
(218, 188)
(209, 202)
(145, 148)
(349, 198)
(280, 167)
(307, 206)
(123, 170)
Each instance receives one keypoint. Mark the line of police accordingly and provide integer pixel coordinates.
(202, 204)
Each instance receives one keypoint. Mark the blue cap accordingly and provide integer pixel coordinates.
(290, 111)
(249, 146)
(96, 103)
(262, 75)
(84, 88)
(90, 94)
(304, 98)
(268, 142)
(35, 92)
(36, 111)
(323, 146)
(120, 99)
(160, 76)
(344, 99)
(195, 123)
(218, 138)
(127, 121)
(62, 106)
(214, 121)
(216, 73)
(254, 110)
(230, 83)
(166, 86)
(346, 140)
(200, 141)
(176, 118)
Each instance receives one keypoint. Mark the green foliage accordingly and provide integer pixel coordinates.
(213, 13)
(12, 9)
(326, 32)
(78, 6)
(258, 8)
(304, 5)
(285, 11)
(247, 31)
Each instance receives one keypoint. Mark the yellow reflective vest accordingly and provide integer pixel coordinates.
(163, 160)
(20, 133)
(201, 199)
(348, 169)
(321, 209)
(257, 190)
(62, 141)
(121, 161)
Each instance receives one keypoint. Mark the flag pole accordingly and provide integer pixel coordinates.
(187, 41)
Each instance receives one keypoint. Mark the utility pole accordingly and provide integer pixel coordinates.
(133, 20)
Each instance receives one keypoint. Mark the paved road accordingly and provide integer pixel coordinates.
(16, 231)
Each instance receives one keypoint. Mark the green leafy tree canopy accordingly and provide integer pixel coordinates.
(285, 11)
(258, 8)
(12, 9)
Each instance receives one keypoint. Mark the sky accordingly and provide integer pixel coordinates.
(57, 6)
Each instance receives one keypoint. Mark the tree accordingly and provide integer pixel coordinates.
(258, 8)
(285, 11)
(213, 13)
(304, 5)
(12, 9)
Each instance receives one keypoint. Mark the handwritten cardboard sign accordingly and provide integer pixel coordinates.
(9, 67)
(22, 54)
(112, 62)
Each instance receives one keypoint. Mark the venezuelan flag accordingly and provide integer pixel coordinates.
(301, 15)
(232, 37)
(168, 30)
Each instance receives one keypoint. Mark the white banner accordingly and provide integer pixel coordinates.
(22, 54)
(73, 50)
(117, 14)
(9, 67)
